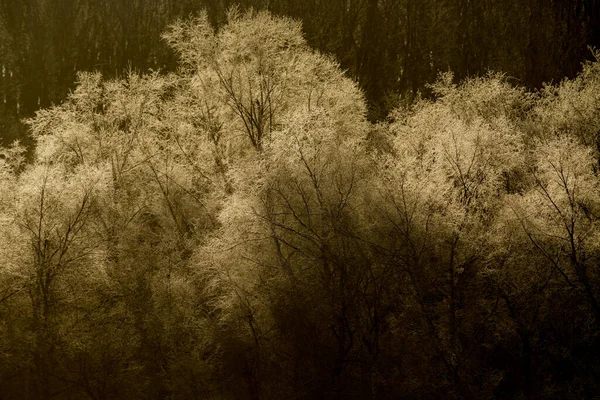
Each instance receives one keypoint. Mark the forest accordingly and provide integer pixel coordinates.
(267, 212)
(392, 48)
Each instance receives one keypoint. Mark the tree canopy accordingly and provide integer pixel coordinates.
(238, 228)
(392, 48)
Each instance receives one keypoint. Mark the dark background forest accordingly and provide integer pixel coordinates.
(391, 47)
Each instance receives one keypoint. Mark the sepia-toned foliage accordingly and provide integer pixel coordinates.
(238, 229)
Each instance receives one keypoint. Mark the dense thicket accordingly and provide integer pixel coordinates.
(391, 47)
(239, 230)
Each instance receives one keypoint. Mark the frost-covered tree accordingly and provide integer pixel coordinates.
(253, 75)
(114, 176)
(451, 165)
(293, 199)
